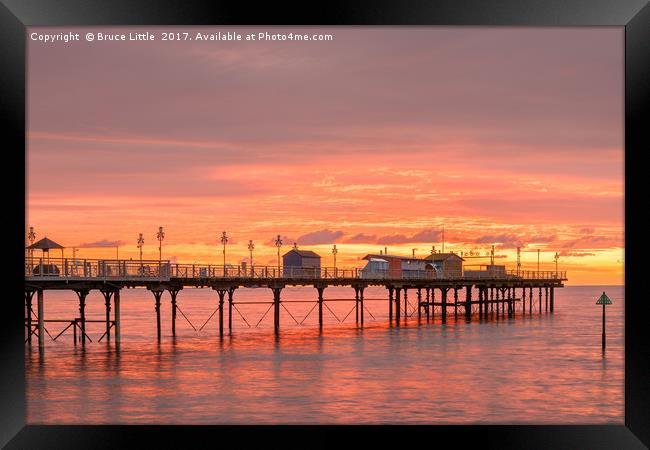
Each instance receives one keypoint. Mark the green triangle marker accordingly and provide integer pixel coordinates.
(604, 300)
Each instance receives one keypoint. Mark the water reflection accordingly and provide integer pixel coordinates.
(530, 369)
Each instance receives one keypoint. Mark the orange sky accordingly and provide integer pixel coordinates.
(510, 137)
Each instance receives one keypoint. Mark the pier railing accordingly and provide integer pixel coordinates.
(154, 270)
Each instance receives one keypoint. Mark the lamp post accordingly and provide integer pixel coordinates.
(556, 257)
(224, 241)
(251, 246)
(140, 244)
(160, 235)
(31, 236)
(278, 244)
(334, 252)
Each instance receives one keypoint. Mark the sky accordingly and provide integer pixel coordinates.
(377, 139)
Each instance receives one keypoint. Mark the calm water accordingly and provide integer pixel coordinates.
(531, 369)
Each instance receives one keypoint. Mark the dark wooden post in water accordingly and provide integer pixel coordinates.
(356, 303)
(443, 293)
(406, 309)
(173, 293)
(456, 303)
(82, 294)
(398, 307)
(116, 303)
(510, 302)
(428, 291)
(221, 293)
(157, 294)
(546, 298)
(468, 302)
(41, 323)
(492, 299)
(29, 294)
(361, 303)
(320, 305)
(480, 302)
(530, 300)
(419, 304)
(107, 305)
(276, 304)
(540, 300)
(390, 304)
(231, 291)
(552, 298)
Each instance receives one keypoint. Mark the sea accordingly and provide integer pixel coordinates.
(539, 368)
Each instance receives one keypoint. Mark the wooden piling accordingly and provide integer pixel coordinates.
(390, 304)
(356, 303)
(28, 305)
(157, 295)
(361, 303)
(530, 300)
(456, 303)
(552, 298)
(82, 294)
(468, 302)
(428, 305)
(546, 298)
(540, 300)
(443, 293)
(107, 307)
(398, 307)
(419, 304)
(406, 309)
(116, 314)
(221, 293)
(523, 300)
(173, 293)
(320, 306)
(41, 323)
(276, 303)
(231, 292)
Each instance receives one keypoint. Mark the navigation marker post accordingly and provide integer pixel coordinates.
(604, 300)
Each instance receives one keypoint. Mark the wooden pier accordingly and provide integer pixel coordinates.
(497, 296)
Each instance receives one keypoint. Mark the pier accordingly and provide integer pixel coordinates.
(432, 293)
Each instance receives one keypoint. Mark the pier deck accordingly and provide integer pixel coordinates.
(111, 276)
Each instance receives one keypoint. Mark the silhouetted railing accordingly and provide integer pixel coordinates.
(107, 269)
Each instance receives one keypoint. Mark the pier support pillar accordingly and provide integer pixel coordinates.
(398, 307)
(276, 304)
(41, 323)
(157, 295)
(443, 293)
(433, 302)
(356, 303)
(428, 305)
(406, 309)
(510, 303)
(523, 300)
(320, 305)
(456, 303)
(546, 298)
(530, 300)
(540, 300)
(419, 304)
(390, 304)
(231, 292)
(116, 314)
(173, 293)
(468, 302)
(82, 294)
(29, 295)
(107, 306)
(361, 289)
(492, 299)
(552, 298)
(221, 293)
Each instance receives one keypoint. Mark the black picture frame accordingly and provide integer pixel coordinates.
(15, 15)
